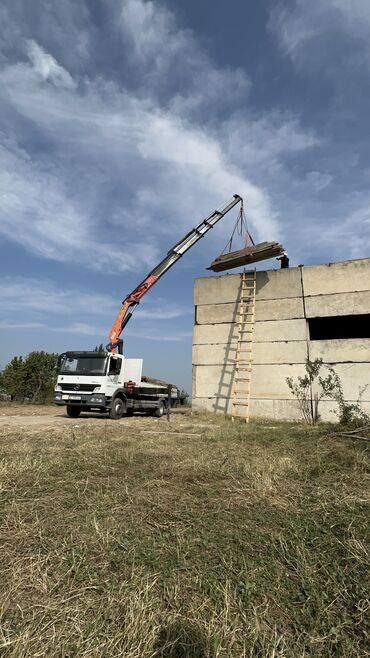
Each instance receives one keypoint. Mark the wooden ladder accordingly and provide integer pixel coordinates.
(243, 357)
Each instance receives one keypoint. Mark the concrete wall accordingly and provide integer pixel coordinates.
(285, 299)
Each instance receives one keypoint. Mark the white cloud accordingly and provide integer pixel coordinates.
(299, 26)
(318, 180)
(146, 146)
(47, 67)
(352, 230)
(128, 169)
(129, 164)
(39, 214)
(172, 65)
(84, 329)
(21, 325)
(175, 337)
(48, 305)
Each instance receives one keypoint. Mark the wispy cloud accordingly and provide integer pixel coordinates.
(46, 306)
(125, 161)
(311, 32)
(175, 337)
(21, 325)
(105, 165)
(84, 329)
(48, 68)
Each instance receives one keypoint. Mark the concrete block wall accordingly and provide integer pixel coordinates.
(285, 300)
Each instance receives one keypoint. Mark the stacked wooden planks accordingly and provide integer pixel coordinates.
(252, 254)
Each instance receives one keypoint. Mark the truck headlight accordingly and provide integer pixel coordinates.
(58, 387)
(97, 398)
(96, 389)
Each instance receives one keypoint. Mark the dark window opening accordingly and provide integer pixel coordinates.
(340, 326)
(115, 366)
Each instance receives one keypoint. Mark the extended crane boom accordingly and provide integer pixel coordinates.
(132, 300)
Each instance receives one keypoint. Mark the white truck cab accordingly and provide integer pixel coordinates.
(108, 383)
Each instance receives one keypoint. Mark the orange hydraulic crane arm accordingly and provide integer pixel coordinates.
(132, 300)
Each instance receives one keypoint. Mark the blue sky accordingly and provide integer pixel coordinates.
(123, 123)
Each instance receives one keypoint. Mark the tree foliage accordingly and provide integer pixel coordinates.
(303, 389)
(30, 378)
(311, 388)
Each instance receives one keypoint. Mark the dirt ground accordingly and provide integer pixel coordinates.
(48, 416)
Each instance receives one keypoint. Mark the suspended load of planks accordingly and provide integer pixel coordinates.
(246, 256)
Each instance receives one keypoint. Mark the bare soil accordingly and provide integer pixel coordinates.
(49, 417)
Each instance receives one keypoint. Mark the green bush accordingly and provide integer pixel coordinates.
(328, 387)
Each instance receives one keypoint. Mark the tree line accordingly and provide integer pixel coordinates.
(31, 378)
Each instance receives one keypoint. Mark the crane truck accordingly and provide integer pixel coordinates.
(107, 382)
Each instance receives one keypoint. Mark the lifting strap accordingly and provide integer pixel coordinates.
(240, 226)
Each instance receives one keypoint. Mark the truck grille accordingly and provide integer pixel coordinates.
(74, 388)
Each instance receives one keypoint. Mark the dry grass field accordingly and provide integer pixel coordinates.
(197, 538)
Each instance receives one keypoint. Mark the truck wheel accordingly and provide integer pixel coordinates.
(160, 409)
(117, 410)
(73, 412)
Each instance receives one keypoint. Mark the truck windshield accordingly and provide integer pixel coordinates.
(82, 365)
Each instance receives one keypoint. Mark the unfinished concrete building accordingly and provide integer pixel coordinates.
(312, 311)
